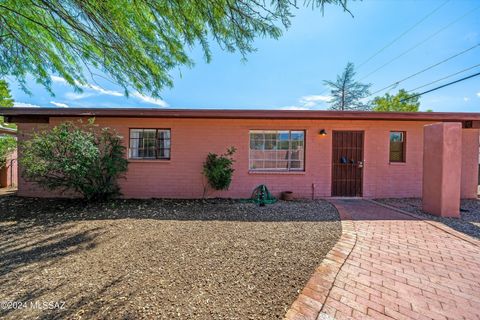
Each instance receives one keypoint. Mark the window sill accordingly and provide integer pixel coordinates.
(276, 172)
(397, 163)
(149, 160)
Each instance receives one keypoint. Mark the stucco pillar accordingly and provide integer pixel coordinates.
(442, 168)
(470, 148)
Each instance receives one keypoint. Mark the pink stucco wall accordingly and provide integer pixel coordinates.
(470, 146)
(442, 169)
(193, 139)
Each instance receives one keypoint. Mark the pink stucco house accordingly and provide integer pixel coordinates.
(312, 153)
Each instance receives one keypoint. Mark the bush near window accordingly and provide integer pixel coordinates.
(8, 144)
(218, 169)
(77, 157)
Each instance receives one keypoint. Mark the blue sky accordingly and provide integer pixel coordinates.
(288, 73)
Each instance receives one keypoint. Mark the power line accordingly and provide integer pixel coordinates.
(446, 77)
(421, 42)
(398, 37)
(442, 86)
(426, 69)
(403, 34)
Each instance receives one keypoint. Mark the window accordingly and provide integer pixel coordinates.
(149, 144)
(277, 150)
(397, 146)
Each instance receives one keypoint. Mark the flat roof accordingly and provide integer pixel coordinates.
(238, 114)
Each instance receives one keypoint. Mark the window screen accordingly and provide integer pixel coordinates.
(281, 150)
(149, 144)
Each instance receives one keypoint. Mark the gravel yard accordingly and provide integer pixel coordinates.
(163, 259)
(469, 222)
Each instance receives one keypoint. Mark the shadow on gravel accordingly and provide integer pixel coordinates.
(30, 245)
(160, 259)
(88, 307)
(27, 249)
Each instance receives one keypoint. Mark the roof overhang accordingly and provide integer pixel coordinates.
(43, 114)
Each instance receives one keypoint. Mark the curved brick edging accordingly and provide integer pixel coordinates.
(311, 299)
(435, 224)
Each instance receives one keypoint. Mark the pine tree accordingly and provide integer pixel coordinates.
(346, 93)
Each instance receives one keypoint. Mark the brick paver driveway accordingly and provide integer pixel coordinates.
(396, 267)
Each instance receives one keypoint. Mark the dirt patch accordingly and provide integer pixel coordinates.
(468, 223)
(161, 259)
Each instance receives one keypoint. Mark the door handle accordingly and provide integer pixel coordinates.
(360, 164)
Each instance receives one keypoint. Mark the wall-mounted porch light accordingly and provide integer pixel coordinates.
(323, 132)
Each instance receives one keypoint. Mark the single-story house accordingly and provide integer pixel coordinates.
(312, 153)
(8, 172)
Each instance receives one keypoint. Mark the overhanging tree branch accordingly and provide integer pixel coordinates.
(136, 43)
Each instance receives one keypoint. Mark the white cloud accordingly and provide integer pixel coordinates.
(100, 90)
(294, 108)
(89, 86)
(25, 105)
(315, 99)
(478, 94)
(77, 96)
(466, 99)
(58, 79)
(59, 104)
(309, 102)
(147, 99)
(103, 91)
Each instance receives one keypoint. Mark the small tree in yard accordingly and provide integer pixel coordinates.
(8, 144)
(218, 169)
(76, 157)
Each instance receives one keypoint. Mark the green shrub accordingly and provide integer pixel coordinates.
(218, 169)
(75, 157)
(8, 144)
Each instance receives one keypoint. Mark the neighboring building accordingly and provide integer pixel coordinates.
(9, 173)
(312, 153)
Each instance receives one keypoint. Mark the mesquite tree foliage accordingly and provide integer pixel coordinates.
(136, 43)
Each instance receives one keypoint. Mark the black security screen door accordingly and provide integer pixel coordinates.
(347, 163)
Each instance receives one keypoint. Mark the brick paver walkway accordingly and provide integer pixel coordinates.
(398, 267)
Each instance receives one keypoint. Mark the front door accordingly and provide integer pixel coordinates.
(347, 163)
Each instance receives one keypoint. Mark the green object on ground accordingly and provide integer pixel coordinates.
(262, 196)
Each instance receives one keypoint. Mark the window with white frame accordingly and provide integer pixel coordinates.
(277, 150)
(149, 144)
